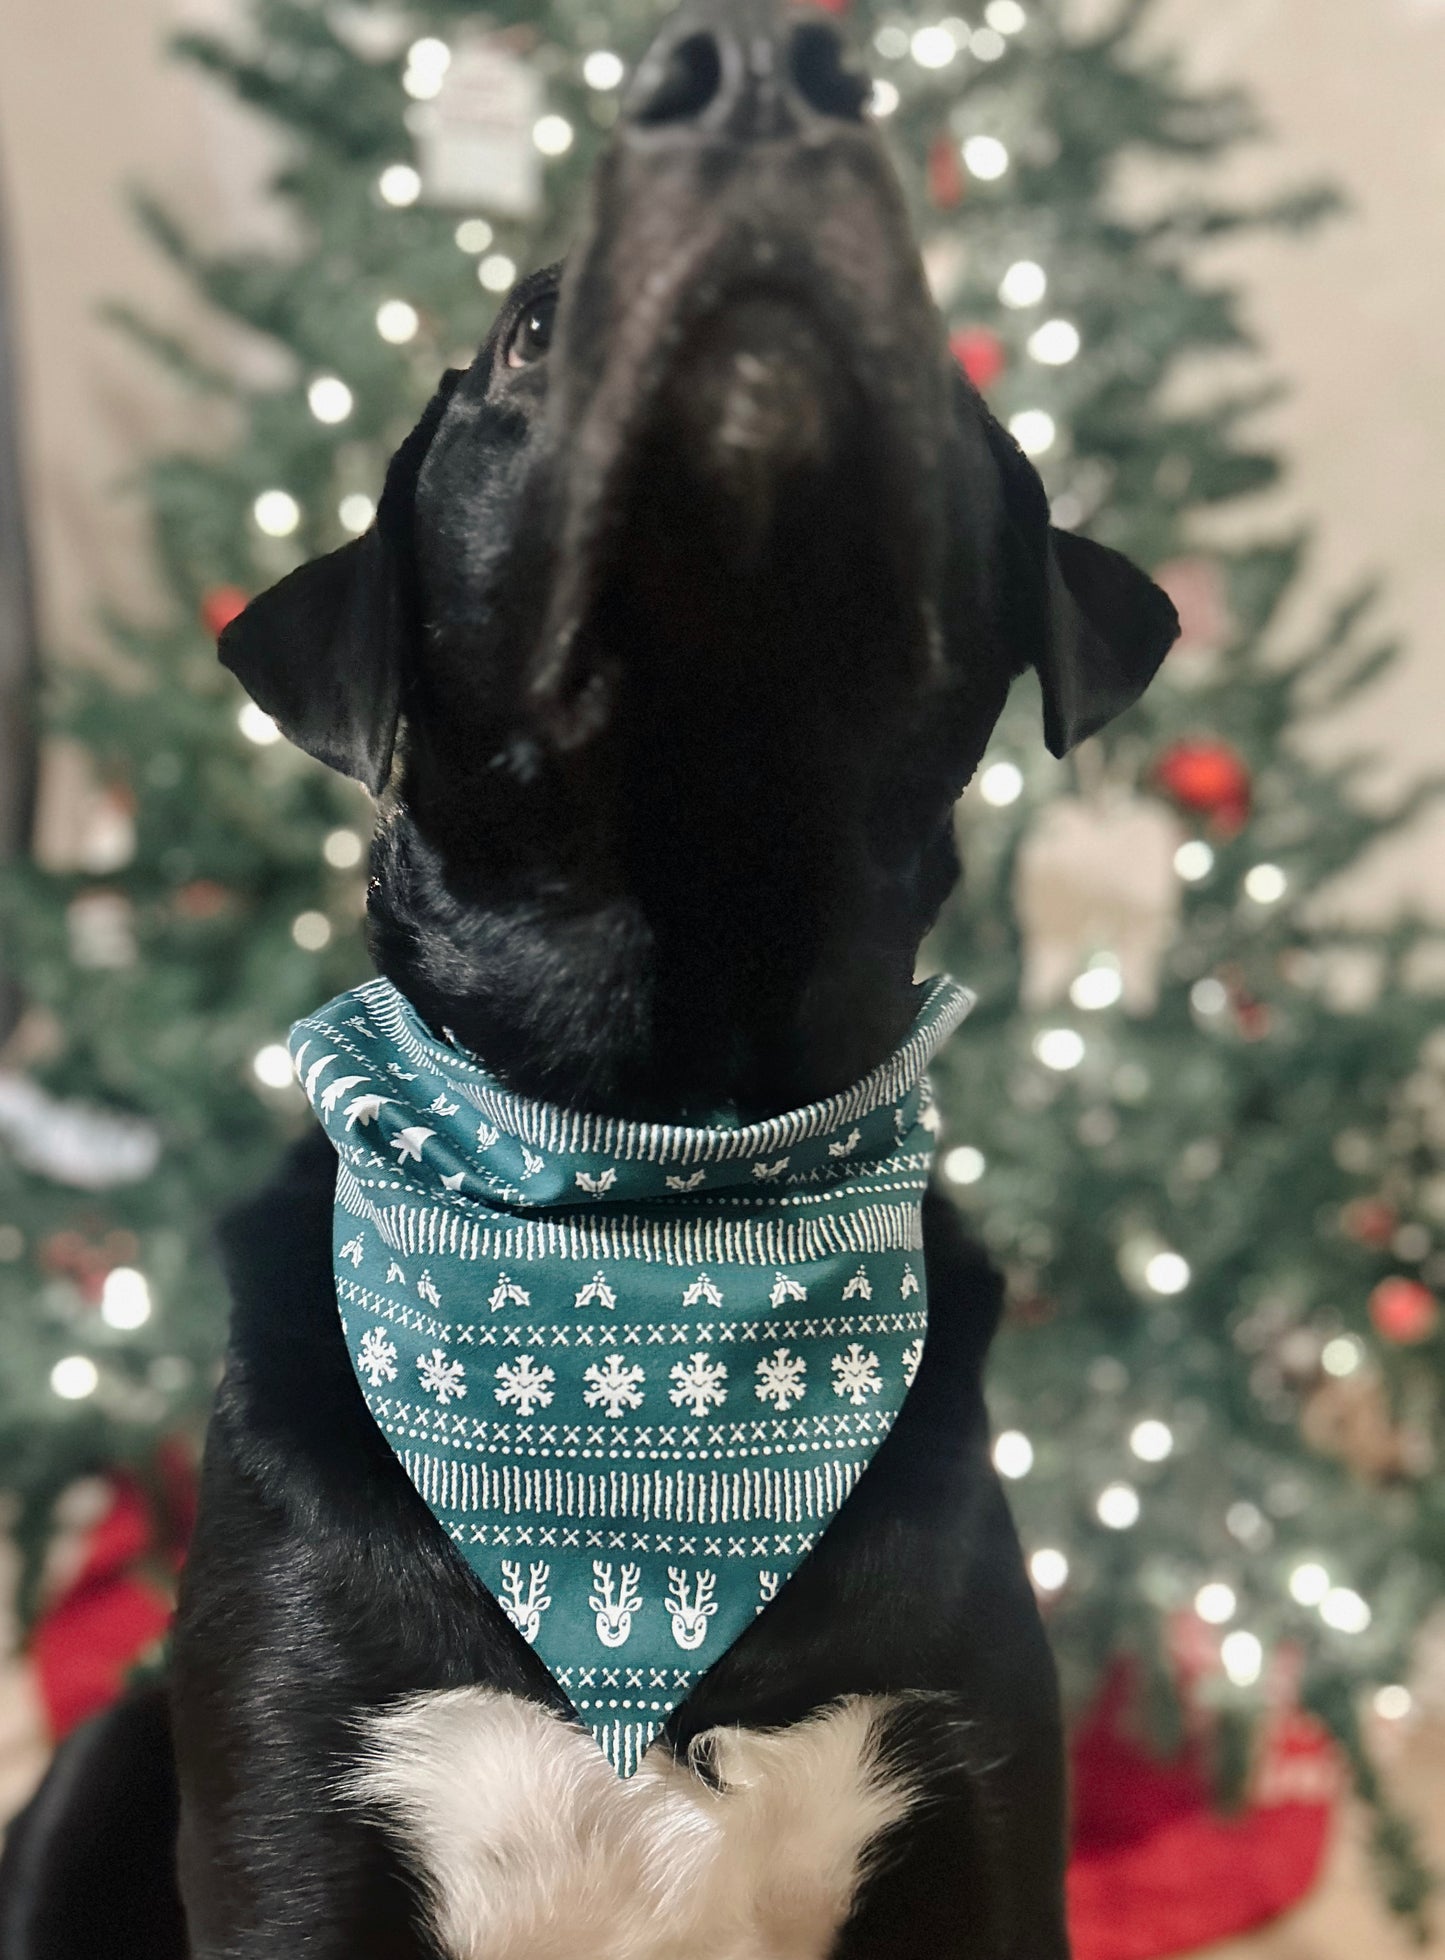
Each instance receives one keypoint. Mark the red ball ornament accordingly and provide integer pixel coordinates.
(1404, 1312)
(945, 174)
(980, 354)
(221, 605)
(1208, 777)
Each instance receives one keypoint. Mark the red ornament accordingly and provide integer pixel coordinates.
(221, 605)
(980, 354)
(945, 173)
(1208, 777)
(1404, 1312)
(1370, 1221)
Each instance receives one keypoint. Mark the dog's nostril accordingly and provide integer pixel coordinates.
(820, 74)
(688, 80)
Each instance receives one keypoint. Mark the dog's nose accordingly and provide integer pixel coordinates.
(748, 72)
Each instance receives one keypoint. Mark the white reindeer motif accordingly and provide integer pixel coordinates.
(690, 1617)
(614, 1616)
(525, 1614)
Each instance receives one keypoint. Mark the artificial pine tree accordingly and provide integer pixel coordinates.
(1203, 1162)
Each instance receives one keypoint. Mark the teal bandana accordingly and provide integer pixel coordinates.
(634, 1369)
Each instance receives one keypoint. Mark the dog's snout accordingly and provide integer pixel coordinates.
(747, 75)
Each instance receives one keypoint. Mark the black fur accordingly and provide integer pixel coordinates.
(673, 651)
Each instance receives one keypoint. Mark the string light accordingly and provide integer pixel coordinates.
(1061, 1049)
(1099, 986)
(1341, 1356)
(884, 99)
(125, 1299)
(1266, 884)
(1216, 1603)
(271, 1066)
(429, 56)
(1013, 1454)
(1309, 1583)
(277, 513)
(933, 47)
(1048, 1569)
(256, 725)
(355, 512)
(1242, 1657)
(964, 1165)
(1055, 343)
(1209, 996)
(1001, 784)
(1005, 16)
(1345, 1611)
(1118, 1507)
(496, 272)
(74, 1378)
(603, 70)
(1167, 1273)
(986, 45)
(330, 399)
(1024, 284)
(421, 84)
(552, 135)
(1034, 430)
(343, 849)
(399, 185)
(474, 235)
(1151, 1441)
(985, 158)
(1194, 861)
(311, 931)
(397, 321)
(1394, 1703)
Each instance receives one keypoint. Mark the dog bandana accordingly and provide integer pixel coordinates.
(634, 1369)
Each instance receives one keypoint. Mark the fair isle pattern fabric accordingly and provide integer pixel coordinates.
(634, 1369)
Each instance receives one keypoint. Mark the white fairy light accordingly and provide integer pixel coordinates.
(311, 931)
(271, 1066)
(1097, 987)
(1209, 996)
(933, 47)
(429, 56)
(1048, 1569)
(399, 185)
(1266, 884)
(891, 42)
(1194, 861)
(1242, 1656)
(1005, 16)
(474, 235)
(277, 513)
(329, 398)
(1394, 1703)
(1000, 784)
(602, 69)
(1216, 1604)
(1341, 1356)
(1013, 1454)
(985, 157)
(964, 1164)
(422, 84)
(1024, 284)
(256, 725)
(397, 321)
(987, 45)
(1034, 430)
(1061, 1049)
(125, 1299)
(1055, 343)
(1345, 1611)
(1151, 1441)
(1118, 1507)
(496, 272)
(1167, 1273)
(343, 849)
(75, 1377)
(355, 512)
(552, 135)
(884, 99)
(1309, 1583)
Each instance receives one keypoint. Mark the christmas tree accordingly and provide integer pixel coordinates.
(1190, 1117)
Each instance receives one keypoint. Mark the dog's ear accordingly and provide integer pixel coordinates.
(324, 652)
(1091, 623)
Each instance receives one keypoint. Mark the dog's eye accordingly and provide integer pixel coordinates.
(532, 335)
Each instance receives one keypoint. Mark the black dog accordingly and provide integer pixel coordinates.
(687, 614)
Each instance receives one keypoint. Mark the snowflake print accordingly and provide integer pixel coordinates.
(699, 1384)
(616, 1385)
(376, 1357)
(912, 1355)
(440, 1377)
(780, 1379)
(857, 1374)
(524, 1385)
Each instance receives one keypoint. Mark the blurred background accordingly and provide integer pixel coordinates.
(1199, 1114)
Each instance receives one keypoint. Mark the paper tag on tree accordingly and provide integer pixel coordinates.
(474, 141)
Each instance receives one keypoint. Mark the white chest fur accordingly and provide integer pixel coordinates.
(529, 1847)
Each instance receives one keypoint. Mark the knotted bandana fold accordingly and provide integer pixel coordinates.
(634, 1369)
